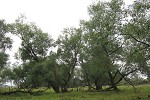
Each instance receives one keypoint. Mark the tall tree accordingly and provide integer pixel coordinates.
(103, 35)
(136, 33)
(68, 53)
(35, 46)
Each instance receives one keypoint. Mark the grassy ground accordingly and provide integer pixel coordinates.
(126, 93)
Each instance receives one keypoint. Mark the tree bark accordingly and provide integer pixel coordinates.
(112, 83)
(55, 86)
(64, 88)
(56, 89)
(98, 86)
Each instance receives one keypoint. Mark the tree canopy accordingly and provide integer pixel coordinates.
(111, 47)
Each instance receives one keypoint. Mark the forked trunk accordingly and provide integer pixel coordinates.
(112, 83)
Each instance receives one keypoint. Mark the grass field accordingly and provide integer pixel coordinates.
(126, 93)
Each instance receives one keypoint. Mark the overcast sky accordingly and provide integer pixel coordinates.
(50, 15)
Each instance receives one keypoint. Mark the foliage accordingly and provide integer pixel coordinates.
(136, 33)
(35, 44)
(69, 46)
(5, 43)
(112, 46)
(33, 51)
(103, 41)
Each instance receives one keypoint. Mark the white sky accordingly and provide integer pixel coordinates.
(50, 15)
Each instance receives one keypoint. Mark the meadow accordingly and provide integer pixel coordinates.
(125, 93)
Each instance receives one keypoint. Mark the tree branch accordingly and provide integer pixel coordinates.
(140, 41)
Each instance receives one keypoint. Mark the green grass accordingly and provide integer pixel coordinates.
(126, 93)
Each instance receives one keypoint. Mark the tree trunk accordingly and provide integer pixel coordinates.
(98, 86)
(64, 88)
(115, 88)
(56, 89)
(49, 85)
(112, 83)
(88, 82)
(67, 82)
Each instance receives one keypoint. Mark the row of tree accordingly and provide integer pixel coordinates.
(113, 45)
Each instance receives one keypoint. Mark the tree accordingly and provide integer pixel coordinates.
(104, 39)
(34, 49)
(77, 80)
(92, 62)
(35, 44)
(5, 43)
(136, 32)
(53, 72)
(6, 75)
(68, 53)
